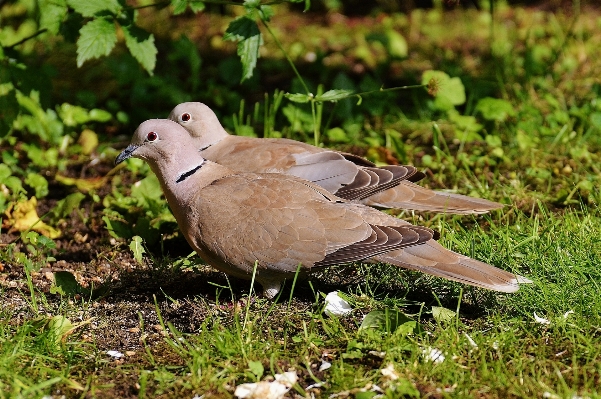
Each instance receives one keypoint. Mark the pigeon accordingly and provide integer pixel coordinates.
(274, 225)
(346, 175)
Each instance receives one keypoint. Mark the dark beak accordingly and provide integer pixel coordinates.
(126, 153)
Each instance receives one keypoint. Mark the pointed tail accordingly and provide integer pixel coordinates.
(432, 258)
(408, 195)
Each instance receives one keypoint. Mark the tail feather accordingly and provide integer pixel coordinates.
(432, 258)
(408, 195)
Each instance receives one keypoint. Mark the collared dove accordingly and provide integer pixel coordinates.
(235, 219)
(346, 175)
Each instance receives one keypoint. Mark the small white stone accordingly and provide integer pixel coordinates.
(566, 314)
(115, 354)
(389, 372)
(267, 389)
(324, 365)
(433, 355)
(336, 306)
(540, 320)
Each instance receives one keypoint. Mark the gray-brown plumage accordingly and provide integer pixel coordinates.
(346, 175)
(280, 221)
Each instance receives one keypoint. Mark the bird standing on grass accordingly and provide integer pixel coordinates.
(346, 175)
(234, 220)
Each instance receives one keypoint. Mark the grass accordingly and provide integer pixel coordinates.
(512, 355)
(185, 330)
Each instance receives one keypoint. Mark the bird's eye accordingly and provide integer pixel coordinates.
(186, 117)
(152, 136)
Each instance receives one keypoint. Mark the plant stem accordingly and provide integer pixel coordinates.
(26, 38)
(279, 44)
(386, 90)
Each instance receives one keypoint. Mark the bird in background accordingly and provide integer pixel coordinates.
(346, 175)
(282, 224)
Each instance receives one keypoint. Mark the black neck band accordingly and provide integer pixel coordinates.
(187, 174)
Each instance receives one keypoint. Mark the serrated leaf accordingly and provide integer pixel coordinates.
(246, 32)
(386, 320)
(89, 8)
(443, 315)
(334, 95)
(96, 38)
(52, 13)
(179, 6)
(137, 248)
(297, 97)
(141, 45)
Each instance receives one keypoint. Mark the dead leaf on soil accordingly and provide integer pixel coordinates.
(22, 216)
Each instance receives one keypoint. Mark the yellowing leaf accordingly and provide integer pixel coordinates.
(23, 216)
(88, 140)
(83, 185)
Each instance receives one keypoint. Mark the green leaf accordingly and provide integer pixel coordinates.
(13, 183)
(67, 205)
(73, 115)
(59, 326)
(250, 5)
(100, 115)
(52, 13)
(179, 6)
(137, 248)
(595, 119)
(256, 368)
(337, 135)
(117, 228)
(5, 171)
(495, 109)
(143, 228)
(38, 183)
(450, 93)
(397, 45)
(334, 95)
(147, 190)
(97, 38)
(443, 315)
(197, 6)
(365, 395)
(141, 45)
(89, 8)
(266, 12)
(386, 320)
(298, 97)
(246, 32)
(9, 109)
(65, 284)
